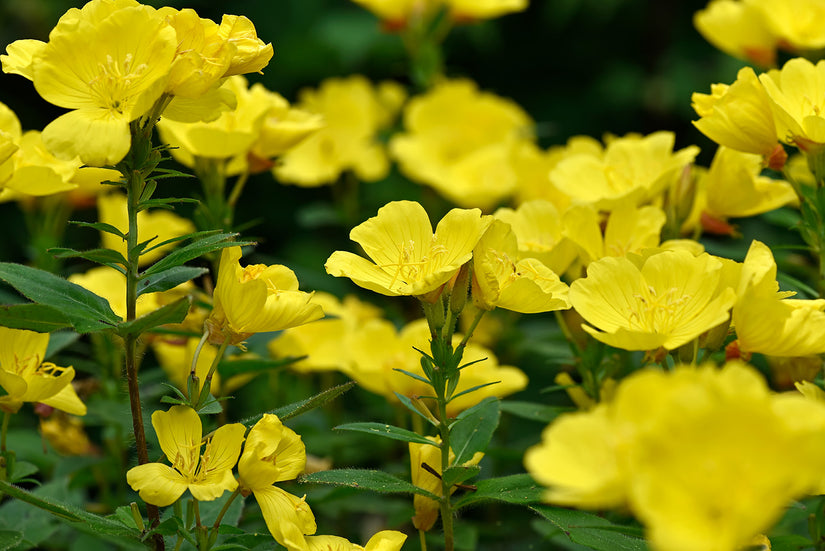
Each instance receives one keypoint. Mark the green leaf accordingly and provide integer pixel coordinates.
(212, 406)
(590, 530)
(9, 539)
(472, 389)
(413, 375)
(518, 489)
(410, 406)
(296, 408)
(107, 257)
(458, 474)
(230, 368)
(34, 317)
(377, 481)
(83, 309)
(387, 431)
(193, 236)
(69, 513)
(22, 469)
(148, 189)
(100, 226)
(790, 542)
(174, 312)
(194, 250)
(165, 203)
(167, 279)
(473, 429)
(535, 412)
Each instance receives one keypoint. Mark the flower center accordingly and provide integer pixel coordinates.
(408, 269)
(657, 311)
(114, 81)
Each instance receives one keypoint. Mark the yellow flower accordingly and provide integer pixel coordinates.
(206, 475)
(738, 29)
(385, 540)
(766, 320)
(484, 9)
(538, 228)
(256, 299)
(66, 435)
(632, 168)
(462, 142)
(354, 112)
(378, 348)
(500, 280)
(794, 22)
(796, 101)
(325, 342)
(532, 166)
(741, 454)
(274, 453)
(407, 258)
(108, 62)
(160, 224)
(27, 378)
(426, 509)
(250, 54)
(668, 300)
(739, 116)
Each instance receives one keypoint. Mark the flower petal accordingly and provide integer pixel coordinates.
(157, 484)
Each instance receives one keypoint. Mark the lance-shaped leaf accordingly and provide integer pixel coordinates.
(296, 408)
(168, 279)
(363, 479)
(100, 226)
(592, 531)
(536, 412)
(84, 310)
(174, 312)
(387, 431)
(106, 257)
(194, 250)
(34, 317)
(518, 489)
(473, 429)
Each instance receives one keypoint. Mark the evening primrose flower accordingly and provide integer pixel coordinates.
(738, 29)
(385, 540)
(797, 102)
(631, 168)
(206, 475)
(274, 453)
(108, 63)
(501, 280)
(665, 300)
(794, 22)
(766, 320)
(256, 299)
(354, 112)
(407, 258)
(27, 378)
(462, 142)
(741, 455)
(426, 509)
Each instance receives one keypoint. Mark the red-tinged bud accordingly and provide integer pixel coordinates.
(776, 159)
(716, 226)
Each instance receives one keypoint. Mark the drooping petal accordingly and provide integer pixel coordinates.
(99, 137)
(288, 517)
(66, 400)
(157, 484)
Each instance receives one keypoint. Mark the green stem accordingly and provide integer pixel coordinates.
(225, 508)
(446, 505)
(5, 429)
(422, 537)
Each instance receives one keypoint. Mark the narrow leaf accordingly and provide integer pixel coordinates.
(174, 312)
(194, 250)
(458, 474)
(535, 412)
(473, 389)
(99, 256)
(9, 539)
(590, 530)
(518, 489)
(413, 375)
(34, 317)
(387, 431)
(86, 311)
(167, 279)
(473, 429)
(100, 226)
(410, 406)
(377, 481)
(165, 203)
(193, 236)
(293, 410)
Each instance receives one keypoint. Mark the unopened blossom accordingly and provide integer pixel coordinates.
(797, 103)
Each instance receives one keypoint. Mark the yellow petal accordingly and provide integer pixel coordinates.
(97, 136)
(157, 484)
(179, 433)
(288, 517)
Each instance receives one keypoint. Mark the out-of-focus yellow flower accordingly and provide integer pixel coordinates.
(766, 449)
(256, 299)
(407, 258)
(740, 117)
(262, 125)
(160, 224)
(396, 13)
(379, 348)
(794, 22)
(667, 300)
(462, 142)
(533, 166)
(66, 435)
(766, 320)
(385, 540)
(354, 112)
(325, 342)
(206, 475)
(27, 378)
(274, 453)
(797, 104)
(108, 62)
(484, 9)
(632, 168)
(628, 229)
(738, 29)
(501, 280)
(175, 357)
(426, 509)
(10, 132)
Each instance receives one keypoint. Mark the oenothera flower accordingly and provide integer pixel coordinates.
(274, 453)
(256, 299)
(27, 378)
(407, 258)
(794, 22)
(739, 116)
(397, 12)
(205, 469)
(385, 540)
(426, 509)
(706, 458)
(738, 29)
(108, 62)
(501, 280)
(797, 102)
(664, 300)
(766, 320)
